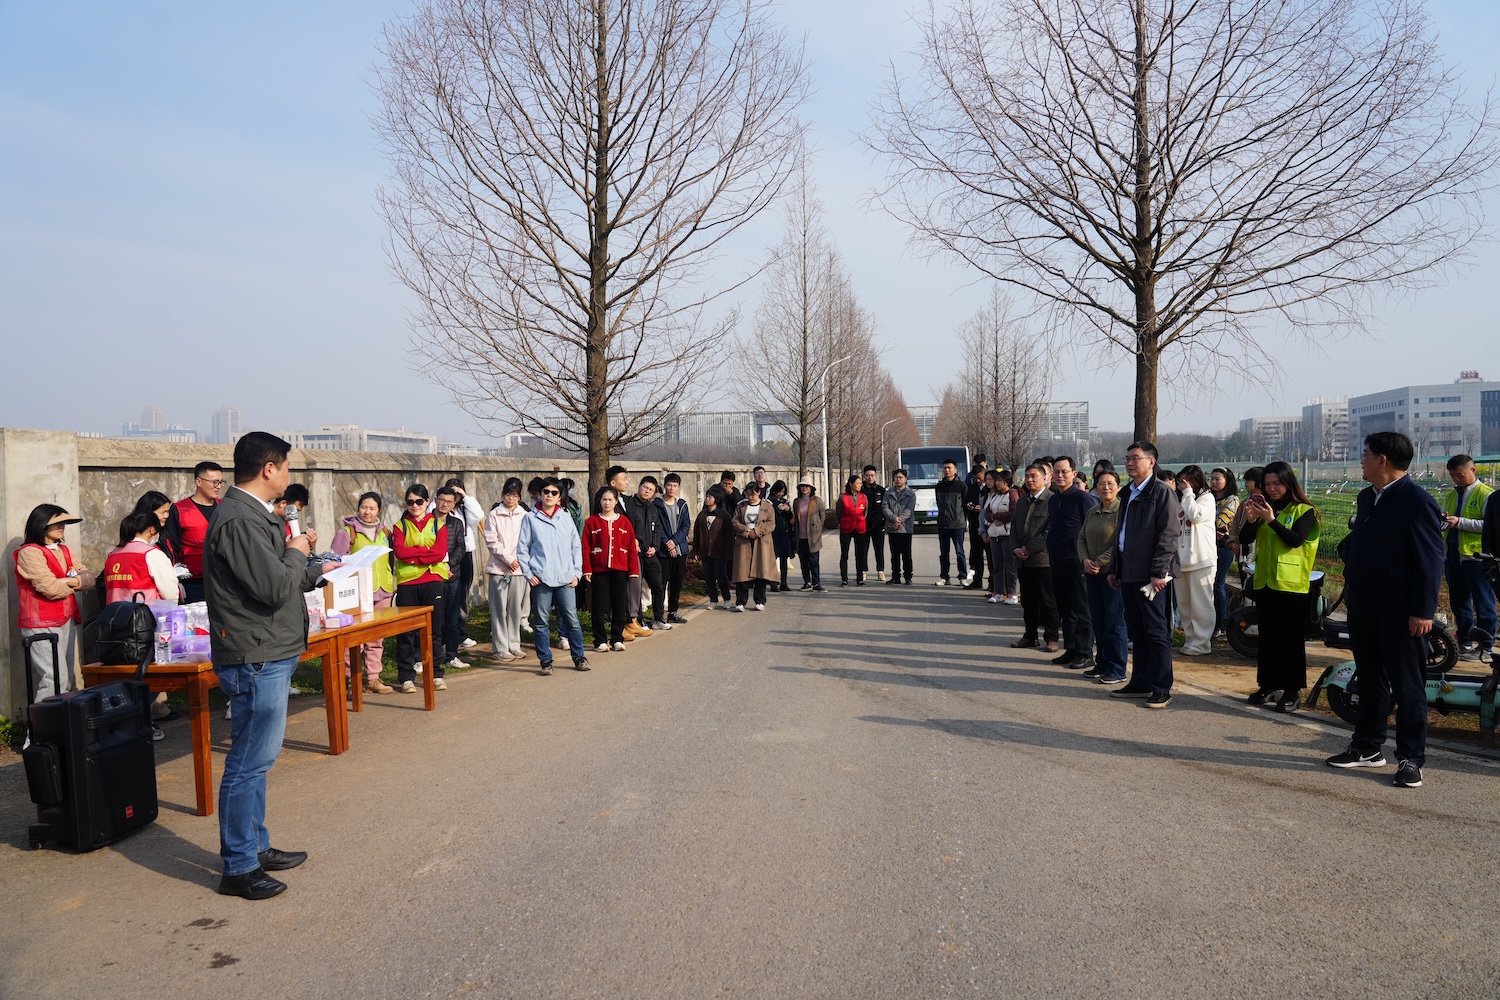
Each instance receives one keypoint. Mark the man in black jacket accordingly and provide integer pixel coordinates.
(1145, 563)
(254, 577)
(645, 517)
(1392, 574)
(875, 517)
(973, 505)
(949, 492)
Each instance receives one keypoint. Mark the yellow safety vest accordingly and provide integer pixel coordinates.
(424, 538)
(359, 540)
(1278, 566)
(1469, 542)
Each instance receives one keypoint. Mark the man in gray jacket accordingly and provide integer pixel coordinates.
(254, 578)
(900, 508)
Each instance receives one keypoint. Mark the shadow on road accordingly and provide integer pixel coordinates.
(1028, 734)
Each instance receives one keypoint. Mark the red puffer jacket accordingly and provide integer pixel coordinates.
(610, 545)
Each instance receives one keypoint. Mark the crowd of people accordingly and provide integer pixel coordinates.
(1103, 564)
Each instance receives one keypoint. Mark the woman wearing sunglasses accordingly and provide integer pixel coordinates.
(420, 543)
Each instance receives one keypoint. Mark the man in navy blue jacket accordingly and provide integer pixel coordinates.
(1069, 503)
(1391, 579)
(1145, 563)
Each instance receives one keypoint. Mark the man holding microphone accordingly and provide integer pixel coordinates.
(254, 577)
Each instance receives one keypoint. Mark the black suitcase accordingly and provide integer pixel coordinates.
(89, 761)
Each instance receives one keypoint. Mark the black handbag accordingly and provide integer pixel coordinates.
(127, 632)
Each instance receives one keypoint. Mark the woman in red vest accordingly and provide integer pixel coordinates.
(46, 581)
(137, 565)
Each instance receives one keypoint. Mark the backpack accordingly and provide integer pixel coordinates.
(127, 632)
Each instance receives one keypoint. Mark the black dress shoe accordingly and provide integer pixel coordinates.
(251, 885)
(272, 860)
(1065, 659)
(1259, 697)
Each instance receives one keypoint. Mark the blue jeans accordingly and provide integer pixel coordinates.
(1471, 597)
(543, 600)
(257, 694)
(954, 537)
(1107, 612)
(1221, 586)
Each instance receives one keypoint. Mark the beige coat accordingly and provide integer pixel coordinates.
(814, 524)
(754, 548)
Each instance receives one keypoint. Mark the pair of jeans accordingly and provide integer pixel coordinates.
(1107, 613)
(1471, 597)
(455, 616)
(409, 644)
(810, 563)
(1073, 608)
(673, 571)
(716, 579)
(900, 554)
(507, 608)
(257, 695)
(955, 538)
(1038, 605)
(1221, 586)
(1149, 625)
(611, 594)
(1389, 664)
(861, 555)
(543, 600)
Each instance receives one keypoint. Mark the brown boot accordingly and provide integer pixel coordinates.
(376, 686)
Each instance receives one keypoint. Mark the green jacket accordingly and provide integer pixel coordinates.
(253, 584)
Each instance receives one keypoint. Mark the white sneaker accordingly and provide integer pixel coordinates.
(760, 607)
(456, 664)
(563, 643)
(438, 684)
(880, 575)
(739, 607)
(292, 689)
(940, 583)
(1012, 599)
(602, 647)
(504, 657)
(417, 666)
(661, 625)
(517, 652)
(227, 710)
(467, 644)
(408, 687)
(969, 577)
(618, 647)
(992, 599)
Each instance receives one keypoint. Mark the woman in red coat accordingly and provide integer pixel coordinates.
(853, 506)
(609, 560)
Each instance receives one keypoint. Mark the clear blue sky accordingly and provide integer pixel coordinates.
(187, 219)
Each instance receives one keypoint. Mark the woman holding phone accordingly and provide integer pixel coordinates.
(1283, 525)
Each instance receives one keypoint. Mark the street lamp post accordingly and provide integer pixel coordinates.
(823, 392)
(882, 447)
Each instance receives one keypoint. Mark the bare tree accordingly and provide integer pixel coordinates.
(998, 404)
(791, 333)
(565, 173)
(1163, 171)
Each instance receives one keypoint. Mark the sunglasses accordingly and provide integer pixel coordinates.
(551, 493)
(415, 503)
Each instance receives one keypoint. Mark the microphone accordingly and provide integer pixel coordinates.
(293, 520)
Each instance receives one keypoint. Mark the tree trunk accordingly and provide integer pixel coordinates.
(597, 351)
(1147, 350)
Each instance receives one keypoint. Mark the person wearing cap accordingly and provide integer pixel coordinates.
(808, 510)
(47, 584)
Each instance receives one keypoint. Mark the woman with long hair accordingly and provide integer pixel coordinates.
(852, 507)
(1226, 493)
(362, 530)
(169, 540)
(1197, 559)
(999, 505)
(785, 536)
(610, 559)
(713, 543)
(420, 542)
(1283, 524)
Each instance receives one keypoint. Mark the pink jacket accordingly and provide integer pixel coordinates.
(502, 529)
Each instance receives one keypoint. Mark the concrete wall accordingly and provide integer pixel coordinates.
(101, 479)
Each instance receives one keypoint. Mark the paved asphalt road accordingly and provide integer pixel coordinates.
(857, 794)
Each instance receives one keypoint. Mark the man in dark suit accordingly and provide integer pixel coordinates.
(1145, 562)
(1392, 574)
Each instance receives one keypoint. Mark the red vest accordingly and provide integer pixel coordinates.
(36, 610)
(126, 573)
(194, 531)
